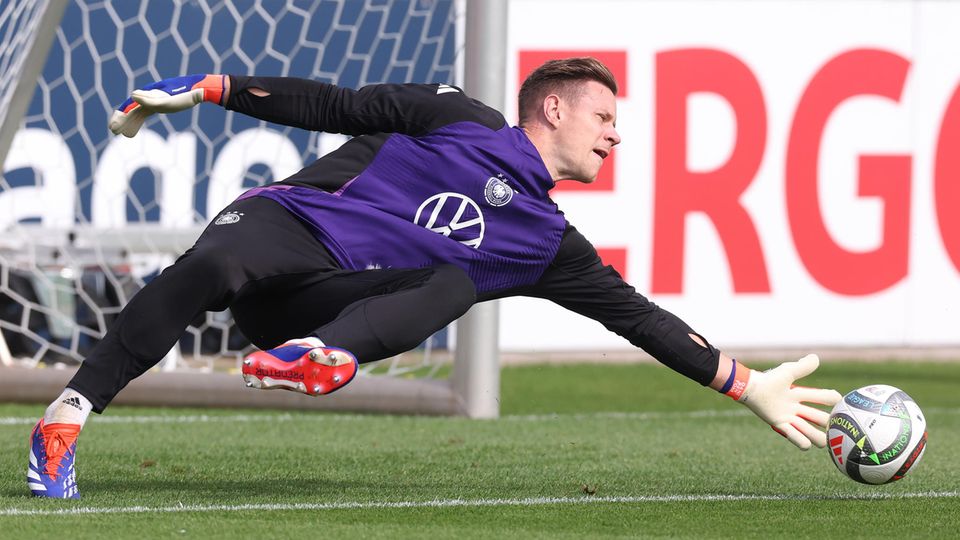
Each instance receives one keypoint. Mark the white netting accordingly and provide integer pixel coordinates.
(88, 218)
(18, 29)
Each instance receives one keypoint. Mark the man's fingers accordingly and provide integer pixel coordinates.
(153, 99)
(128, 123)
(804, 366)
(823, 396)
(793, 435)
(812, 434)
(814, 415)
(160, 101)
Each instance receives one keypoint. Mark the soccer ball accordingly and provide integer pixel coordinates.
(876, 434)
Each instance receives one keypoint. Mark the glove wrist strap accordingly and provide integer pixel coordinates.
(213, 88)
(736, 382)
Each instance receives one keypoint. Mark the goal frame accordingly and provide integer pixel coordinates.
(473, 388)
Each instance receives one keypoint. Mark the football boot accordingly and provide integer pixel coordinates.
(53, 448)
(300, 365)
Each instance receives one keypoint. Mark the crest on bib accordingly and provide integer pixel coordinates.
(497, 192)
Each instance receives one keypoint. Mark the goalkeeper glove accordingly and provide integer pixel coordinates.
(773, 397)
(166, 96)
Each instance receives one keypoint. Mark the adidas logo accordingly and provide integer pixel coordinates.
(446, 89)
(836, 444)
(73, 402)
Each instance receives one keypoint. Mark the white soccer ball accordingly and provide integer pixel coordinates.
(876, 434)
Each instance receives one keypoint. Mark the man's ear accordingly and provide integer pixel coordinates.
(551, 109)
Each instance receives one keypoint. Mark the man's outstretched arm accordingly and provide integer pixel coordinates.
(413, 109)
(578, 280)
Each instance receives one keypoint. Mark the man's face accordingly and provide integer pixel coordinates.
(586, 132)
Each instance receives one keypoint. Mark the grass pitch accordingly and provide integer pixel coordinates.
(582, 451)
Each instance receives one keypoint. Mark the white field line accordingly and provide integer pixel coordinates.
(285, 417)
(464, 503)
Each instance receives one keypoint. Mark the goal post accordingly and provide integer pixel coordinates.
(87, 219)
(27, 30)
(476, 374)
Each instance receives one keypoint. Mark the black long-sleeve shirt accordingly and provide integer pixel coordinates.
(432, 177)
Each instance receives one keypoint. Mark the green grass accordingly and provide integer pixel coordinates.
(624, 433)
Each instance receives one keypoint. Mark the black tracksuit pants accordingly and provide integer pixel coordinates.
(280, 283)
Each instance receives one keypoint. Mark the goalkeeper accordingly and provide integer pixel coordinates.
(436, 203)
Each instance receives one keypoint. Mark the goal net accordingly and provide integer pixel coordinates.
(87, 218)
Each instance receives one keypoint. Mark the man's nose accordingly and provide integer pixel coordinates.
(613, 137)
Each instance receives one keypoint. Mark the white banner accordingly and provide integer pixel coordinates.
(789, 173)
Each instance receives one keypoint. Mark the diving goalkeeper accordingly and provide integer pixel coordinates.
(436, 203)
